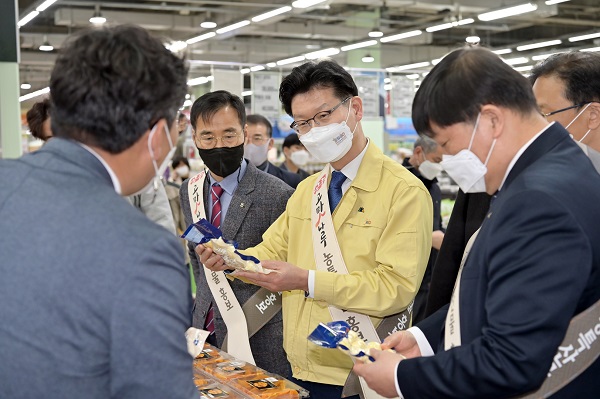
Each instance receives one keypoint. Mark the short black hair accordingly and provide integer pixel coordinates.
(290, 140)
(110, 85)
(579, 71)
(36, 117)
(177, 160)
(256, 119)
(427, 144)
(209, 104)
(464, 81)
(316, 74)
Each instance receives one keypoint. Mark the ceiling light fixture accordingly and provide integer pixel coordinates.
(328, 52)
(552, 2)
(246, 93)
(46, 46)
(538, 45)
(591, 49)
(177, 46)
(306, 3)
(375, 33)
(244, 71)
(271, 64)
(25, 86)
(28, 18)
(201, 37)
(449, 25)
(359, 45)
(502, 51)
(368, 59)
(291, 60)
(97, 18)
(473, 39)
(523, 68)
(257, 68)
(584, 37)
(34, 94)
(44, 5)
(208, 25)
(235, 26)
(516, 61)
(271, 14)
(542, 56)
(508, 12)
(413, 76)
(199, 81)
(408, 66)
(400, 36)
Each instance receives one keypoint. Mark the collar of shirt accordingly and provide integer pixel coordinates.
(519, 153)
(351, 169)
(230, 183)
(113, 177)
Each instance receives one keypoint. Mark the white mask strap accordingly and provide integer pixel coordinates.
(577, 116)
(585, 135)
(490, 153)
(474, 130)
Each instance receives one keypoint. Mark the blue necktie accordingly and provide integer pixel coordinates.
(335, 189)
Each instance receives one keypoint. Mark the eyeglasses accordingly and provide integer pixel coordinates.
(257, 140)
(209, 141)
(303, 127)
(545, 115)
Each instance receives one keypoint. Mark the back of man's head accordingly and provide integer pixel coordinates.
(465, 80)
(580, 72)
(256, 119)
(428, 145)
(110, 85)
(321, 75)
(206, 106)
(36, 117)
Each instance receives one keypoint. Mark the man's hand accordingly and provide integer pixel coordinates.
(381, 374)
(404, 343)
(286, 277)
(437, 237)
(211, 260)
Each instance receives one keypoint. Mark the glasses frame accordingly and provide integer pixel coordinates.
(545, 115)
(217, 139)
(294, 124)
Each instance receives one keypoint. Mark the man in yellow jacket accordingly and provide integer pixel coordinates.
(354, 238)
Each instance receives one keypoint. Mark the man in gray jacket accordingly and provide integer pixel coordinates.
(95, 300)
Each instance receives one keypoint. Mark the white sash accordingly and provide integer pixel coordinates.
(238, 342)
(452, 330)
(328, 258)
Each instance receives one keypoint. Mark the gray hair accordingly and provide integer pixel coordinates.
(427, 144)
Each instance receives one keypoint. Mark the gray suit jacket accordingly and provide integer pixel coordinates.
(95, 300)
(257, 202)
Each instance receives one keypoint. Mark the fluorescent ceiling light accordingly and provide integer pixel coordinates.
(502, 51)
(271, 14)
(584, 37)
(34, 94)
(368, 59)
(551, 2)
(235, 26)
(176, 46)
(472, 39)
(28, 18)
(516, 61)
(199, 81)
(409, 66)
(359, 45)
(539, 45)
(272, 64)
(465, 21)
(244, 71)
(97, 19)
(208, 25)
(542, 56)
(413, 76)
(322, 53)
(291, 60)
(449, 25)
(508, 12)
(524, 68)
(246, 93)
(436, 61)
(591, 49)
(401, 36)
(201, 37)
(257, 68)
(25, 86)
(306, 3)
(46, 47)
(45, 5)
(375, 33)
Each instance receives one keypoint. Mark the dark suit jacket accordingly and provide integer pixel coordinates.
(301, 172)
(95, 298)
(291, 179)
(257, 202)
(467, 215)
(534, 265)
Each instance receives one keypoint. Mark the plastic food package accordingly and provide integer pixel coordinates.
(218, 391)
(265, 386)
(209, 355)
(232, 369)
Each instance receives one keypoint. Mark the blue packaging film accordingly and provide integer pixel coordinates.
(329, 335)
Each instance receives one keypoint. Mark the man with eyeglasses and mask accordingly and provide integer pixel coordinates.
(258, 144)
(95, 300)
(532, 267)
(567, 89)
(354, 240)
(243, 202)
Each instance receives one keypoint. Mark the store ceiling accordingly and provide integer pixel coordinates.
(332, 24)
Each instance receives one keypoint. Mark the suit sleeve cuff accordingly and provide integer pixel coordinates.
(311, 284)
(396, 382)
(424, 346)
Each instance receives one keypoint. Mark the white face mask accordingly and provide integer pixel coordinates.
(466, 169)
(256, 154)
(299, 158)
(428, 169)
(183, 171)
(159, 171)
(331, 142)
(574, 119)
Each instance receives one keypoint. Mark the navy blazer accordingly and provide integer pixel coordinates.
(291, 179)
(534, 265)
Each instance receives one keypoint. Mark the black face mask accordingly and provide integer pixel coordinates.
(223, 161)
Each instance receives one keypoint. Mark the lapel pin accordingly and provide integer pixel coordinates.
(361, 209)
(242, 205)
(367, 222)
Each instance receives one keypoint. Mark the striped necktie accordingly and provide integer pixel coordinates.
(215, 192)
